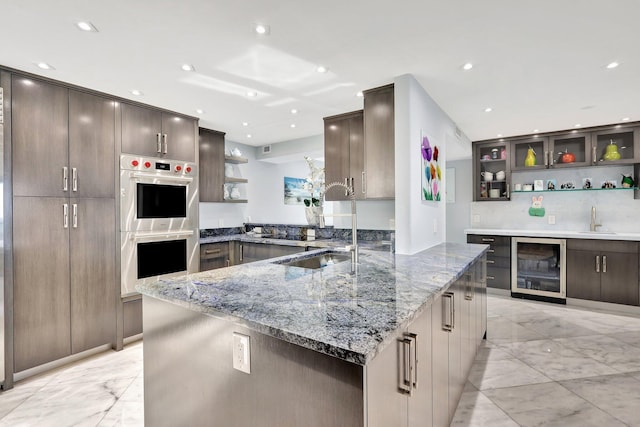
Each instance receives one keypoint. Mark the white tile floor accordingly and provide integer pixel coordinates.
(542, 364)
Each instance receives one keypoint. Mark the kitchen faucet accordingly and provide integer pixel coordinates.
(593, 219)
(353, 248)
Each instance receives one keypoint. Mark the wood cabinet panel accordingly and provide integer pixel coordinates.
(132, 317)
(93, 274)
(583, 281)
(620, 278)
(214, 255)
(379, 137)
(91, 144)
(181, 137)
(39, 119)
(211, 148)
(344, 153)
(41, 281)
(140, 130)
(439, 365)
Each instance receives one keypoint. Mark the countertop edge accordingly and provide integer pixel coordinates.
(563, 234)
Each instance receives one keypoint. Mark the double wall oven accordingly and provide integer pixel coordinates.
(158, 220)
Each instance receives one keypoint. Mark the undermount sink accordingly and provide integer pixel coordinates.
(317, 261)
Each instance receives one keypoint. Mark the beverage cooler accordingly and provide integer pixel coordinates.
(538, 268)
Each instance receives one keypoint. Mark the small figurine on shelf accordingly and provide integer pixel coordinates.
(483, 190)
(536, 208)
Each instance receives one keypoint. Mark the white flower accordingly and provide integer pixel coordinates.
(315, 181)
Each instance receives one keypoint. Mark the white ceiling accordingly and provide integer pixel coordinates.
(538, 64)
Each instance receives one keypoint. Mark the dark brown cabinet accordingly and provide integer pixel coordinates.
(63, 221)
(603, 271)
(626, 140)
(150, 132)
(379, 143)
(344, 154)
(250, 252)
(498, 259)
(211, 148)
(214, 255)
(490, 161)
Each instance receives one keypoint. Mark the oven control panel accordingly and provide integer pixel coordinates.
(156, 165)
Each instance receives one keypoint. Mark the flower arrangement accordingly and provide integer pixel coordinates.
(314, 184)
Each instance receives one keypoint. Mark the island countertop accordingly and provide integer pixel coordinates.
(332, 310)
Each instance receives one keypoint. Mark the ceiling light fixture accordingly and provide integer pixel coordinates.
(359, 94)
(535, 131)
(488, 110)
(252, 94)
(612, 65)
(136, 92)
(262, 29)
(625, 119)
(467, 66)
(499, 135)
(293, 125)
(245, 124)
(45, 66)
(322, 69)
(294, 111)
(248, 135)
(188, 67)
(577, 125)
(200, 111)
(86, 26)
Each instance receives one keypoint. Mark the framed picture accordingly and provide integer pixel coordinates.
(294, 191)
(538, 185)
(432, 188)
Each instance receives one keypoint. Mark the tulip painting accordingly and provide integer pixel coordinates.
(431, 171)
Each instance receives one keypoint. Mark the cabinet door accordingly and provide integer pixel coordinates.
(583, 277)
(214, 255)
(91, 145)
(356, 155)
(623, 140)
(41, 281)
(523, 159)
(211, 147)
(379, 137)
(93, 273)
(440, 363)
(180, 140)
(141, 130)
(577, 144)
(489, 159)
(420, 409)
(336, 155)
(40, 123)
(456, 380)
(619, 278)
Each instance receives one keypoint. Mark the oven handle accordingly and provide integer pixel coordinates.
(162, 178)
(163, 234)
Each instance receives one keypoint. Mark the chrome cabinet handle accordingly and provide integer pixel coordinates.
(491, 277)
(593, 154)
(550, 158)
(491, 261)
(228, 262)
(74, 179)
(346, 184)
(75, 216)
(604, 263)
(65, 178)
(469, 288)
(508, 191)
(405, 384)
(488, 239)
(212, 251)
(447, 312)
(597, 263)
(65, 215)
(364, 182)
(241, 253)
(158, 143)
(546, 158)
(490, 251)
(166, 143)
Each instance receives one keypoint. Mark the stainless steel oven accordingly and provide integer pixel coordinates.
(150, 255)
(538, 268)
(157, 194)
(158, 220)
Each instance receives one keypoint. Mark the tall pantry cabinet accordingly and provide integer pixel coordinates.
(63, 143)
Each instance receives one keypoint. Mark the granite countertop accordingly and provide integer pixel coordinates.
(288, 241)
(331, 310)
(560, 234)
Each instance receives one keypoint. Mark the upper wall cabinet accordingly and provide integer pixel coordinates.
(491, 171)
(211, 148)
(619, 144)
(344, 154)
(379, 143)
(151, 132)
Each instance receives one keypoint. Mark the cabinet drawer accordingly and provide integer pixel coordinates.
(602, 245)
(499, 246)
(498, 262)
(214, 250)
(498, 277)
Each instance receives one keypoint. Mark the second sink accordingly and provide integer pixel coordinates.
(317, 261)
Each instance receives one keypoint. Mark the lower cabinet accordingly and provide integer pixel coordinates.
(498, 259)
(64, 277)
(603, 270)
(214, 255)
(249, 252)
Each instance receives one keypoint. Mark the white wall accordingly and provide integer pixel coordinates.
(458, 212)
(419, 224)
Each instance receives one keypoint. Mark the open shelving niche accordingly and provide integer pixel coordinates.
(232, 180)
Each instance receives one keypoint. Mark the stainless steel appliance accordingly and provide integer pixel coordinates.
(538, 268)
(158, 220)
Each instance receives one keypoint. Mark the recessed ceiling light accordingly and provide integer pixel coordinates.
(188, 67)
(499, 135)
(535, 131)
(612, 65)
(322, 69)
(136, 92)
(245, 124)
(467, 66)
(574, 131)
(200, 111)
(359, 94)
(252, 94)
(248, 135)
(294, 111)
(45, 66)
(625, 119)
(293, 125)
(488, 110)
(86, 26)
(577, 125)
(262, 29)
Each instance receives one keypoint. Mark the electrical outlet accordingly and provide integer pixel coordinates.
(552, 219)
(220, 222)
(241, 353)
(476, 218)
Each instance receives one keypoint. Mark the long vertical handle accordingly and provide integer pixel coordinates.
(604, 263)
(65, 178)
(597, 263)
(405, 383)
(546, 159)
(414, 359)
(364, 182)
(166, 143)
(346, 184)
(75, 216)
(241, 253)
(448, 312)
(593, 155)
(74, 179)
(158, 143)
(508, 192)
(65, 215)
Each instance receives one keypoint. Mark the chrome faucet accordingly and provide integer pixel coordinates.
(593, 225)
(353, 248)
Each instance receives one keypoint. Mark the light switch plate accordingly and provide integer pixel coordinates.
(552, 219)
(241, 352)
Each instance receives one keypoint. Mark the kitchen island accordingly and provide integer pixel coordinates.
(332, 346)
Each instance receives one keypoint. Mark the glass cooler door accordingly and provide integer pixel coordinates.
(538, 267)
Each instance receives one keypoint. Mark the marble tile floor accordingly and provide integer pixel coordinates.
(542, 364)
